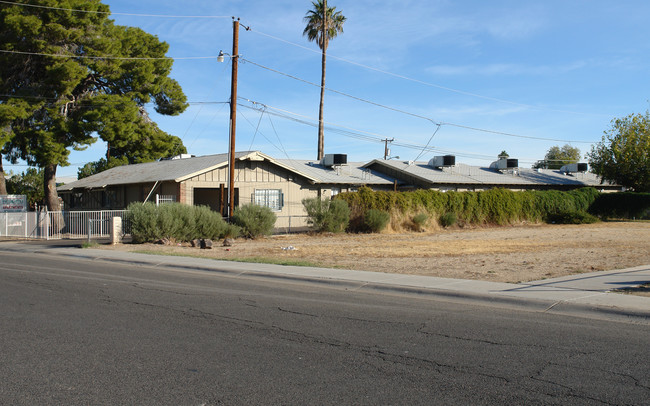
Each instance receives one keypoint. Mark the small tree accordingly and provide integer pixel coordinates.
(623, 155)
(557, 157)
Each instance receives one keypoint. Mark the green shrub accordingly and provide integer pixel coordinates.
(448, 219)
(571, 217)
(173, 221)
(375, 220)
(144, 222)
(254, 220)
(419, 220)
(232, 231)
(327, 215)
(208, 224)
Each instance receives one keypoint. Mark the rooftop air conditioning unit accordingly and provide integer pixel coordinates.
(574, 168)
(443, 161)
(330, 160)
(504, 164)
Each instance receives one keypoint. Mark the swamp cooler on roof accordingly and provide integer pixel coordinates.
(330, 160)
(443, 161)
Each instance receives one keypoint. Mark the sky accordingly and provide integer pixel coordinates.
(464, 77)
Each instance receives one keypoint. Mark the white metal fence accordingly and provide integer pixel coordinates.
(93, 224)
(61, 224)
(160, 199)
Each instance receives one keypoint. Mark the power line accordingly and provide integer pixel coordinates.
(339, 92)
(348, 132)
(514, 135)
(428, 142)
(413, 114)
(360, 134)
(126, 58)
(103, 104)
(106, 12)
(404, 77)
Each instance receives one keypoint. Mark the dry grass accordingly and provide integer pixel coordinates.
(505, 254)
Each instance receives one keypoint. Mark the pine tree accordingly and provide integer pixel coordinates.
(68, 75)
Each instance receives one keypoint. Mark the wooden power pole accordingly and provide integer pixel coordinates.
(233, 117)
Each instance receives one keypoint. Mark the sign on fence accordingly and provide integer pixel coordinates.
(13, 203)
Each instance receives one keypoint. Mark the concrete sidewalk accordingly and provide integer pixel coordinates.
(586, 294)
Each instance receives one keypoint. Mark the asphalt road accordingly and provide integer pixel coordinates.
(91, 332)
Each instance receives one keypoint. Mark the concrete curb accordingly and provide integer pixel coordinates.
(580, 303)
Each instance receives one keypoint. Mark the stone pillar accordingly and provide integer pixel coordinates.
(116, 230)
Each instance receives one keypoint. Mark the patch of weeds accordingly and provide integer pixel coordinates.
(642, 290)
(571, 217)
(92, 244)
(274, 261)
(254, 260)
(419, 220)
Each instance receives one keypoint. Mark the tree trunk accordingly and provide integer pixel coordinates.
(321, 124)
(51, 197)
(3, 181)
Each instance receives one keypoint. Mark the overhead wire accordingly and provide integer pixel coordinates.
(346, 131)
(109, 12)
(422, 82)
(425, 148)
(400, 76)
(326, 88)
(339, 92)
(108, 57)
(250, 148)
(261, 133)
(441, 123)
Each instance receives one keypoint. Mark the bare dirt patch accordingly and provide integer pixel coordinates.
(503, 254)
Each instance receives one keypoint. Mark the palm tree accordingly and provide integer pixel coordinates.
(322, 27)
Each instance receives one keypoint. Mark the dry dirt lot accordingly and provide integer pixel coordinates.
(504, 254)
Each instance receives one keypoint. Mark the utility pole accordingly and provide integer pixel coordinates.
(386, 151)
(233, 117)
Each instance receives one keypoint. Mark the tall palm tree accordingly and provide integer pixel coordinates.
(322, 27)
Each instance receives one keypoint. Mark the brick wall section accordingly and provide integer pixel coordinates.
(181, 193)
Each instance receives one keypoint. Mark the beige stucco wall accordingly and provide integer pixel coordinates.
(252, 175)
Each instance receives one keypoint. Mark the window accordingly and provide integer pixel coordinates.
(271, 198)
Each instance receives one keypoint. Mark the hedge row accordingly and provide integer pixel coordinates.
(494, 206)
(622, 206)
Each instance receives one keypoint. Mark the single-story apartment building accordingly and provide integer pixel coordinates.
(443, 173)
(282, 184)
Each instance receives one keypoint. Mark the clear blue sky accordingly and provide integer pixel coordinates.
(554, 69)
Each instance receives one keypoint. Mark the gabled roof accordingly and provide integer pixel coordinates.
(348, 174)
(461, 174)
(166, 170)
(179, 170)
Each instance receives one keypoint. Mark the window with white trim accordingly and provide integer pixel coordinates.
(271, 198)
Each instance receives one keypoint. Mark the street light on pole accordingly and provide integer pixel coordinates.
(233, 114)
